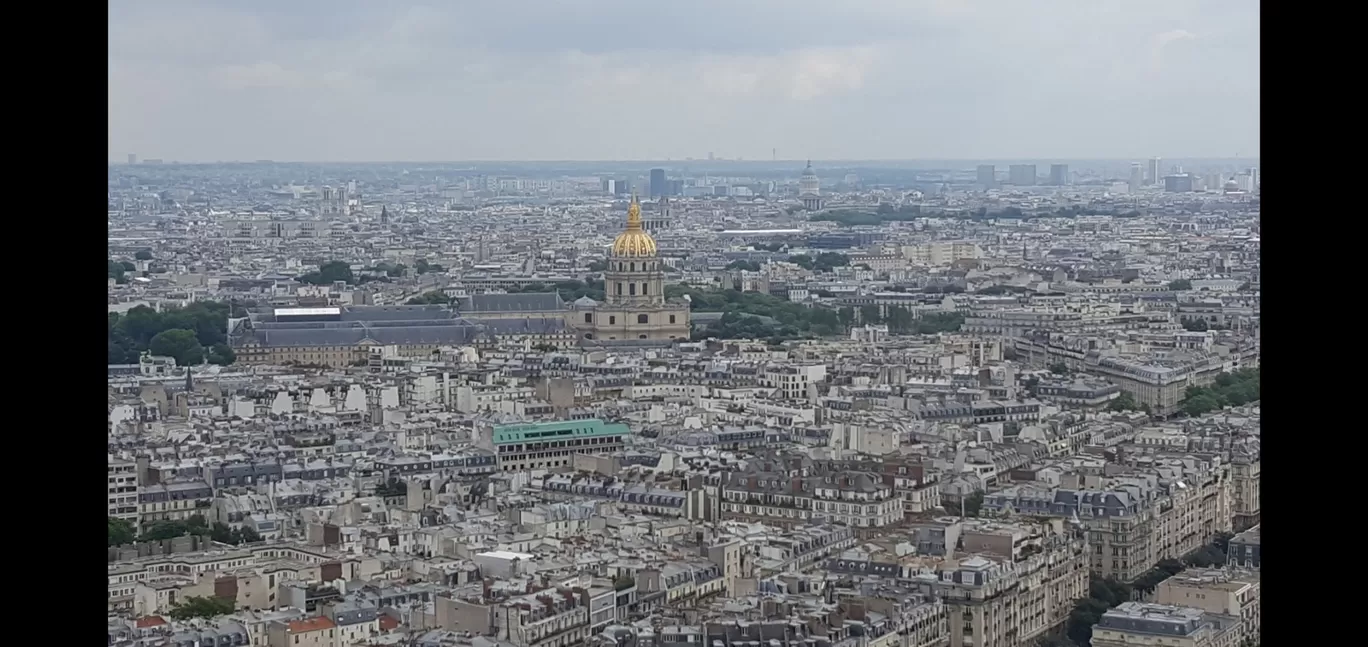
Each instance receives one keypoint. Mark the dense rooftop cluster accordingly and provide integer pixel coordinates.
(929, 411)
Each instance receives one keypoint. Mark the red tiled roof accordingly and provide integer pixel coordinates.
(387, 623)
(311, 624)
(150, 621)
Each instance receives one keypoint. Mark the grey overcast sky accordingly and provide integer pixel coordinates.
(357, 80)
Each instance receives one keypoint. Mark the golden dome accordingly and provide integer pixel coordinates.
(634, 242)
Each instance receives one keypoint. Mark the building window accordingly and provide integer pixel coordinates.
(619, 289)
(612, 320)
(631, 289)
(633, 267)
(641, 336)
(641, 319)
(643, 288)
(588, 317)
(672, 318)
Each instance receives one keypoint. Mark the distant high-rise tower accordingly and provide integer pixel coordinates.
(1137, 176)
(987, 176)
(132, 159)
(384, 215)
(1059, 174)
(1022, 174)
(1154, 174)
(1253, 174)
(658, 185)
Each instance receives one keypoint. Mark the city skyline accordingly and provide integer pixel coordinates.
(207, 81)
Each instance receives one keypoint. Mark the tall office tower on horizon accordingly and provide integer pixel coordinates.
(132, 159)
(1137, 176)
(1059, 174)
(1021, 174)
(987, 176)
(658, 185)
(1154, 174)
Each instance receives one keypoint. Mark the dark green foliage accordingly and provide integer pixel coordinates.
(120, 532)
(1195, 325)
(1229, 389)
(744, 265)
(938, 322)
(568, 290)
(1180, 285)
(435, 297)
(994, 290)
(794, 319)
(131, 333)
(623, 582)
(391, 488)
(179, 343)
(598, 266)
(159, 530)
(329, 273)
(1103, 594)
(143, 255)
(823, 262)
(1123, 402)
(197, 607)
(424, 267)
(117, 271)
(1059, 368)
(221, 354)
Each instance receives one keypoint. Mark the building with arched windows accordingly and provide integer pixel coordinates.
(634, 308)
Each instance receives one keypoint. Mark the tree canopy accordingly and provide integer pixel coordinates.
(118, 270)
(179, 343)
(143, 255)
(329, 273)
(1229, 389)
(744, 265)
(131, 333)
(121, 532)
(434, 297)
(1180, 285)
(823, 262)
(200, 607)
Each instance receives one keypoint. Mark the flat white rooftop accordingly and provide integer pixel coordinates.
(307, 312)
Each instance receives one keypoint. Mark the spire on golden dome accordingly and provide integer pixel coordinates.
(634, 242)
(634, 213)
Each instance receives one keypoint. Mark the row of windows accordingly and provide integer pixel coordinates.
(632, 267)
(612, 319)
(632, 289)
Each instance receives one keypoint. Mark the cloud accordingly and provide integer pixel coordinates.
(542, 79)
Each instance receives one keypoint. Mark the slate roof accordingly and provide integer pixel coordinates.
(519, 302)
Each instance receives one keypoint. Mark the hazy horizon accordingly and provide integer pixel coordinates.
(615, 81)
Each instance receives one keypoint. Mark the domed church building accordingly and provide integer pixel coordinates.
(634, 310)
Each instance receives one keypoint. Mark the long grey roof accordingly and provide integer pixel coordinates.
(524, 325)
(519, 302)
(456, 332)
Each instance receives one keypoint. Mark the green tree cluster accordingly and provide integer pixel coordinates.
(196, 525)
(823, 262)
(118, 270)
(143, 255)
(201, 607)
(932, 323)
(1180, 285)
(795, 320)
(568, 290)
(751, 266)
(435, 297)
(391, 488)
(1123, 402)
(598, 266)
(421, 266)
(1198, 324)
(329, 273)
(1229, 389)
(121, 532)
(183, 333)
(1103, 595)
